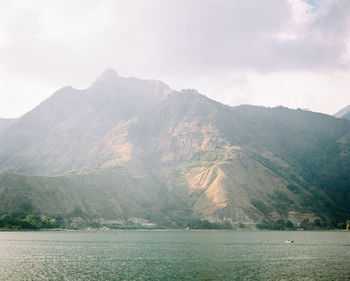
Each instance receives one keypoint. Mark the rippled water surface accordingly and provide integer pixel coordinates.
(174, 255)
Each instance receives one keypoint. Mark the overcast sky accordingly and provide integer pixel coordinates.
(294, 53)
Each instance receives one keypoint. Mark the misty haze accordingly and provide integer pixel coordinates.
(239, 169)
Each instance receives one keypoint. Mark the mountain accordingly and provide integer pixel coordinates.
(343, 113)
(5, 123)
(69, 130)
(130, 148)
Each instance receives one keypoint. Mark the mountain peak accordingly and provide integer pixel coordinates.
(343, 113)
(108, 75)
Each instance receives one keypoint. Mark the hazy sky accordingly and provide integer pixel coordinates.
(294, 53)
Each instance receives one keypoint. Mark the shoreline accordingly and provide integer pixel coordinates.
(161, 229)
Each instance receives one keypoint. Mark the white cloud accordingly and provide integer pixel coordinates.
(318, 92)
(235, 51)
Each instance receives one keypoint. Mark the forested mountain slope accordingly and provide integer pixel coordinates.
(135, 148)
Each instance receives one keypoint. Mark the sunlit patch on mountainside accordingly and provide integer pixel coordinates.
(130, 148)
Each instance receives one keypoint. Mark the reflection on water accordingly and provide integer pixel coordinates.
(174, 255)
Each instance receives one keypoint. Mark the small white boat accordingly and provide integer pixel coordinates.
(289, 241)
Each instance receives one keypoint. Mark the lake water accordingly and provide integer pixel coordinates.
(174, 255)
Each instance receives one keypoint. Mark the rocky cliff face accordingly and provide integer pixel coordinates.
(131, 147)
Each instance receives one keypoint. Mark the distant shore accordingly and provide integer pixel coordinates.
(157, 229)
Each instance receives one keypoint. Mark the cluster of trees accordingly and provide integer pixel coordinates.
(322, 224)
(276, 225)
(305, 224)
(205, 224)
(193, 223)
(344, 225)
(17, 221)
(20, 220)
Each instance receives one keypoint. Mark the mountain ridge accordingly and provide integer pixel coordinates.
(343, 113)
(195, 157)
(5, 123)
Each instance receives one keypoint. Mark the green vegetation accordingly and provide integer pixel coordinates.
(205, 224)
(170, 157)
(260, 206)
(193, 223)
(317, 224)
(279, 224)
(344, 225)
(22, 221)
(241, 225)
